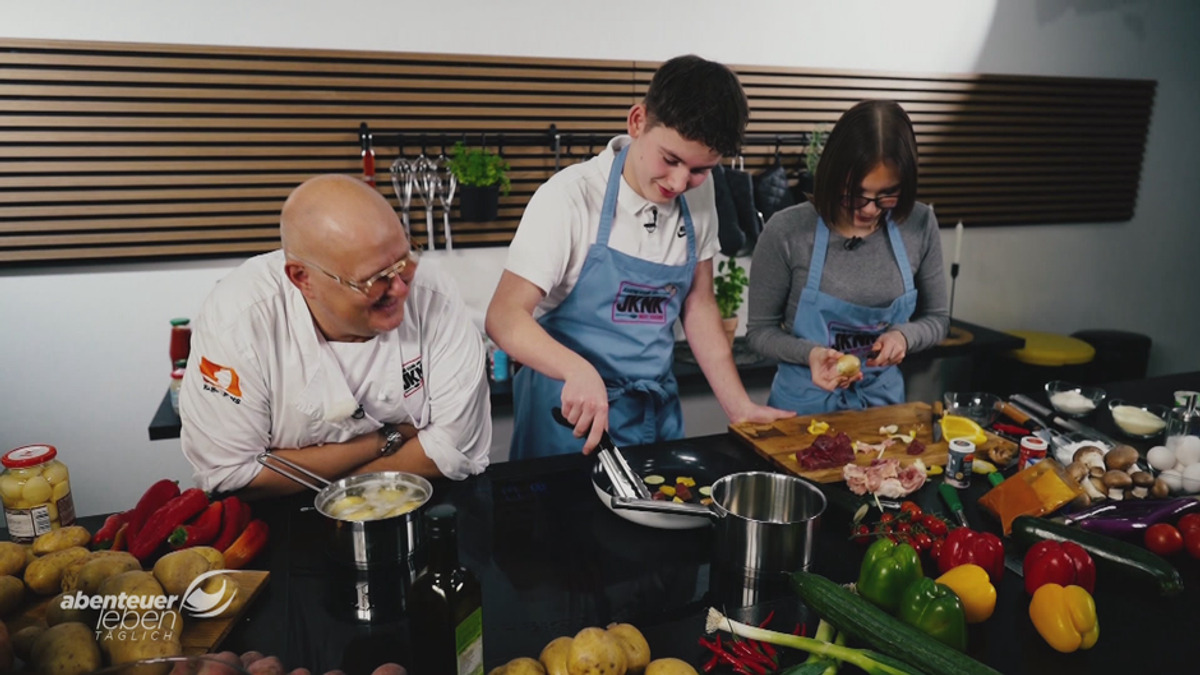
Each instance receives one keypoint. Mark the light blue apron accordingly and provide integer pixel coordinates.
(848, 328)
(620, 317)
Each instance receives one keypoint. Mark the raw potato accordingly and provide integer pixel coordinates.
(12, 592)
(66, 649)
(96, 570)
(57, 540)
(212, 586)
(216, 559)
(670, 667)
(523, 666)
(554, 656)
(12, 558)
(637, 650)
(128, 646)
(6, 650)
(44, 575)
(176, 571)
(137, 583)
(848, 365)
(23, 641)
(595, 652)
(55, 614)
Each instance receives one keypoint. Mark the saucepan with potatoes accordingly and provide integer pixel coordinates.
(374, 518)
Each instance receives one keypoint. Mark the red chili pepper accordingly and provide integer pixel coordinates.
(247, 546)
(712, 663)
(767, 620)
(804, 630)
(750, 657)
(164, 521)
(201, 531)
(796, 630)
(155, 497)
(233, 521)
(103, 538)
(770, 651)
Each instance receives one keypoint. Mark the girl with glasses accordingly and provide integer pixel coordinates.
(857, 271)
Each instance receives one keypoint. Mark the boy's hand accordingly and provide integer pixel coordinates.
(585, 405)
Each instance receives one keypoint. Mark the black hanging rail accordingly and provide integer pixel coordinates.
(552, 138)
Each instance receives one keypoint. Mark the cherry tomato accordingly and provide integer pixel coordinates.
(893, 538)
(934, 525)
(1163, 539)
(1189, 522)
(887, 517)
(1191, 539)
(904, 528)
(886, 529)
(911, 509)
(935, 550)
(922, 542)
(863, 534)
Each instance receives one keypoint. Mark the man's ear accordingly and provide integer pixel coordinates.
(637, 120)
(298, 275)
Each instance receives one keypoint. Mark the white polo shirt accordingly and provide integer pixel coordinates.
(262, 376)
(563, 219)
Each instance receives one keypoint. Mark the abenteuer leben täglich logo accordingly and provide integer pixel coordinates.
(130, 617)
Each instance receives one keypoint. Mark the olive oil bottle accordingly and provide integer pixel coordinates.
(445, 605)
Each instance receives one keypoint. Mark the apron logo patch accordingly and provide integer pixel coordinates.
(413, 377)
(641, 304)
(221, 380)
(856, 340)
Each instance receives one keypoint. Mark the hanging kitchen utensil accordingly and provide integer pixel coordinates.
(426, 180)
(446, 195)
(402, 182)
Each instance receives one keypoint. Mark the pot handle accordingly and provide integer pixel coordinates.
(673, 508)
(267, 459)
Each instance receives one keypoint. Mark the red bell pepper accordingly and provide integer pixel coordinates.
(963, 546)
(155, 497)
(103, 539)
(203, 530)
(248, 545)
(1063, 563)
(233, 522)
(164, 521)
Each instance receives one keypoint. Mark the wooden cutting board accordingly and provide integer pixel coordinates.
(780, 440)
(200, 636)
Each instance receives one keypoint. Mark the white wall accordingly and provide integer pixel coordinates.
(85, 360)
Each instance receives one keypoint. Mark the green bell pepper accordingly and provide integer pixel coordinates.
(887, 570)
(936, 610)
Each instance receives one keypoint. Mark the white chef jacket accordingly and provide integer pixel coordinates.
(562, 222)
(261, 375)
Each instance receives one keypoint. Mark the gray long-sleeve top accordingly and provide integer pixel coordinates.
(867, 276)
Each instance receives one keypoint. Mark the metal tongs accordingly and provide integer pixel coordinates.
(626, 484)
(267, 459)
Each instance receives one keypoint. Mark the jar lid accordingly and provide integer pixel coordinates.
(180, 321)
(28, 455)
(176, 374)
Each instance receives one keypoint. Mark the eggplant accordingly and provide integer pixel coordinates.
(1133, 522)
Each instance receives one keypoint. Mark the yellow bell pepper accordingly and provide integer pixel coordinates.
(817, 427)
(1065, 617)
(974, 588)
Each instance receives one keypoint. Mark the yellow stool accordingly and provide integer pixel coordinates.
(1051, 349)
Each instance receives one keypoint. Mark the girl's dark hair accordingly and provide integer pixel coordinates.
(870, 133)
(701, 100)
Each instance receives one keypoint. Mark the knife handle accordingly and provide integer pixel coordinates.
(937, 410)
(1010, 411)
(950, 496)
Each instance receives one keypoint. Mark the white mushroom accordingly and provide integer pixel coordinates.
(1120, 458)
(1090, 455)
(1094, 488)
(1139, 492)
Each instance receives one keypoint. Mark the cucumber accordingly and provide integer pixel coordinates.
(1121, 558)
(885, 634)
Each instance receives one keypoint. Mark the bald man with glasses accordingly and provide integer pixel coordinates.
(339, 352)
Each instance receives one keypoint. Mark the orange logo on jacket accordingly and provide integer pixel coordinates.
(220, 377)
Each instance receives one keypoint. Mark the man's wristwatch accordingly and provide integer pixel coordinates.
(392, 440)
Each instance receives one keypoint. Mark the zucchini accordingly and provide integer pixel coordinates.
(1117, 556)
(885, 634)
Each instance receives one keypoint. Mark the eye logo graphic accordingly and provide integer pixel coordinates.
(204, 605)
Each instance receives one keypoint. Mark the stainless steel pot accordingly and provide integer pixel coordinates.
(763, 522)
(363, 544)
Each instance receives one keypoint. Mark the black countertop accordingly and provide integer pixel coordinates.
(753, 368)
(553, 560)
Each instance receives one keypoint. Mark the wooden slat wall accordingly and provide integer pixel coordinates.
(114, 151)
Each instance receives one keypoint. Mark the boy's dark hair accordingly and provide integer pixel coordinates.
(870, 133)
(701, 100)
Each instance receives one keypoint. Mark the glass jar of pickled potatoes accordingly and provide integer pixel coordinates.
(36, 489)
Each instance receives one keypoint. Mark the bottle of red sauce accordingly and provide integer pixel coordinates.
(181, 339)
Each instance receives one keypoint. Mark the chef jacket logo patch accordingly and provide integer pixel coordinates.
(855, 340)
(636, 303)
(413, 377)
(222, 380)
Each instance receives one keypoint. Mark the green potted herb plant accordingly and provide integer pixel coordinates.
(730, 285)
(812, 157)
(482, 175)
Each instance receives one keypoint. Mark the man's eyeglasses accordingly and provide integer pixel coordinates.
(857, 202)
(405, 268)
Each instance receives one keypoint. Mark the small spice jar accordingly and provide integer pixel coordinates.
(36, 489)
